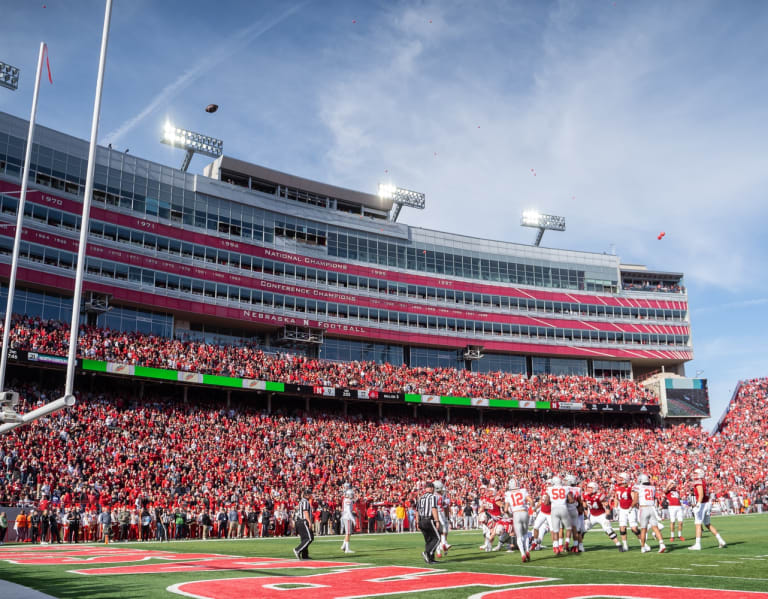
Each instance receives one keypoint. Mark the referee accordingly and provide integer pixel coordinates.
(304, 526)
(428, 523)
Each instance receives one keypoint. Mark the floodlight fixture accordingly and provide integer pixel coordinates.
(401, 197)
(193, 143)
(542, 222)
(9, 76)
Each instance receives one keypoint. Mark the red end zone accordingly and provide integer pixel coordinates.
(620, 591)
(360, 582)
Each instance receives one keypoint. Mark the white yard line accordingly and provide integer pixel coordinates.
(556, 568)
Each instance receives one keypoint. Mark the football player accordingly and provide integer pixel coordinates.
(443, 507)
(541, 523)
(644, 498)
(348, 520)
(489, 513)
(627, 513)
(516, 501)
(558, 497)
(597, 504)
(576, 513)
(675, 511)
(702, 509)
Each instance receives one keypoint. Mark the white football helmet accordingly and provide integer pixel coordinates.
(439, 487)
(512, 484)
(643, 479)
(699, 472)
(556, 480)
(624, 476)
(570, 479)
(592, 487)
(349, 493)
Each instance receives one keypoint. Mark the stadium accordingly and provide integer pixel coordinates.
(263, 358)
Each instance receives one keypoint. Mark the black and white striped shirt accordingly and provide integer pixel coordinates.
(426, 503)
(304, 506)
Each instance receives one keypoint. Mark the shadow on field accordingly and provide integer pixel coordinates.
(76, 588)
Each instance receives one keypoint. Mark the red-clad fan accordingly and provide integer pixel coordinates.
(597, 505)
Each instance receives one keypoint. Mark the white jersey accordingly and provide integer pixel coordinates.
(346, 509)
(646, 495)
(517, 500)
(557, 495)
(443, 505)
(576, 492)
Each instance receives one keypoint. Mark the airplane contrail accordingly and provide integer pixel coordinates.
(232, 45)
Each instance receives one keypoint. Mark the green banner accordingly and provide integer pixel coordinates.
(222, 381)
(156, 373)
(95, 365)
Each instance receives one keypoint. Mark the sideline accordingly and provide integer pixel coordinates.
(11, 590)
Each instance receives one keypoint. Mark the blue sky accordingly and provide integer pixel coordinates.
(637, 116)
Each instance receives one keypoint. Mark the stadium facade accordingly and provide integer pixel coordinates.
(244, 251)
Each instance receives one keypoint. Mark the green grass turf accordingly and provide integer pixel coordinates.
(743, 565)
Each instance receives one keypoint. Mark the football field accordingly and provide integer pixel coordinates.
(391, 565)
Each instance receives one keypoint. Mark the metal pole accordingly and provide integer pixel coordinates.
(74, 326)
(19, 219)
(62, 402)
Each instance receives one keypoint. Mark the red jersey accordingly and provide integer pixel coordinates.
(624, 495)
(508, 524)
(495, 509)
(704, 494)
(546, 508)
(595, 503)
(673, 498)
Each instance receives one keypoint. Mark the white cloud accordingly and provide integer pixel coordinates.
(222, 52)
(603, 114)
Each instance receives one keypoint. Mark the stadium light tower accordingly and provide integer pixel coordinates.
(193, 143)
(401, 197)
(542, 222)
(9, 76)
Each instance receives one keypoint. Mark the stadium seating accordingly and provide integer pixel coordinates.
(116, 451)
(251, 362)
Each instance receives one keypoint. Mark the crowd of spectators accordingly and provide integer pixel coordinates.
(116, 453)
(248, 361)
(663, 287)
